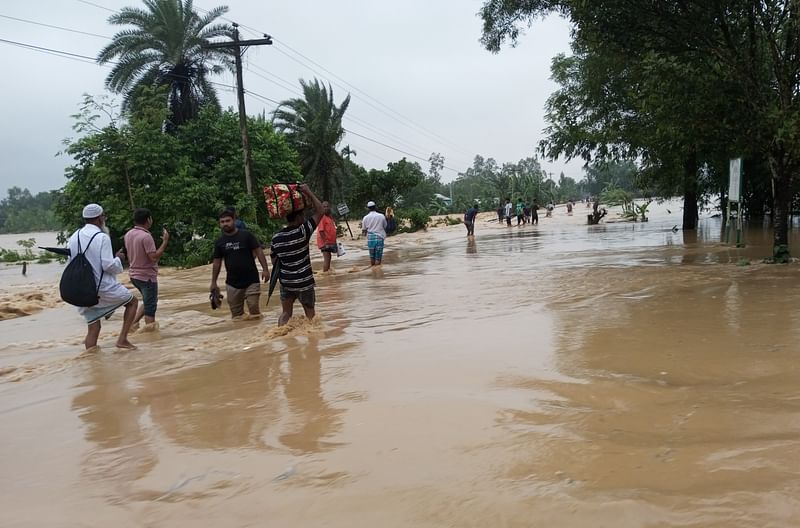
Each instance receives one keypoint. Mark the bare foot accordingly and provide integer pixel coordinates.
(126, 345)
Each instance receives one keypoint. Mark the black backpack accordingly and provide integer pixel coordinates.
(77, 285)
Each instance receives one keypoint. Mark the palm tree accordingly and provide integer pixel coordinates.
(165, 48)
(313, 126)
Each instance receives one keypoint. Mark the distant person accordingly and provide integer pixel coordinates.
(93, 241)
(535, 213)
(500, 210)
(143, 257)
(391, 221)
(469, 219)
(550, 208)
(520, 212)
(289, 252)
(326, 236)
(507, 208)
(374, 226)
(238, 248)
(569, 207)
(527, 214)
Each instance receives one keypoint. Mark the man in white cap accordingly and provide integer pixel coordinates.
(93, 241)
(374, 226)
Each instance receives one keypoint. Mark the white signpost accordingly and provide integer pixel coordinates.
(735, 182)
(735, 196)
(344, 211)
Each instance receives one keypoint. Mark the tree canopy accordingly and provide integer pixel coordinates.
(165, 47)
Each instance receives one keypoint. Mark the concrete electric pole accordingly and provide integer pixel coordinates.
(236, 46)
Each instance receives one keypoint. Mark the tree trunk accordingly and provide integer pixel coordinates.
(690, 214)
(782, 185)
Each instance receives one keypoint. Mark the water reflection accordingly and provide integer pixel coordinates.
(120, 452)
(311, 419)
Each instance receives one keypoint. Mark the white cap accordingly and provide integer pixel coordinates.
(92, 211)
(369, 204)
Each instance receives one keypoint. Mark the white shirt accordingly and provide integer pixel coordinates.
(508, 209)
(100, 256)
(374, 222)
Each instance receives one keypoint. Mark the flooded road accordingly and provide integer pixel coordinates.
(561, 375)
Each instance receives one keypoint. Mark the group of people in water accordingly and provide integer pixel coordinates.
(237, 248)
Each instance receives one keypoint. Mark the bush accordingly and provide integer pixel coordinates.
(417, 219)
(453, 221)
(197, 252)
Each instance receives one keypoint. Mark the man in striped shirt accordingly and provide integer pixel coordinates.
(289, 252)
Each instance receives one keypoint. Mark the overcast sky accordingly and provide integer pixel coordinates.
(419, 58)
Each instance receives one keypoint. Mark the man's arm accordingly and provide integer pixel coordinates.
(155, 256)
(259, 253)
(108, 262)
(318, 209)
(215, 268)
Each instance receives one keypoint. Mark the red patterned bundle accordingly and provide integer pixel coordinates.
(283, 198)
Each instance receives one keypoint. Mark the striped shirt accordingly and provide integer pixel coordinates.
(290, 246)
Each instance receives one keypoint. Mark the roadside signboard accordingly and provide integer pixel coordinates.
(343, 209)
(735, 182)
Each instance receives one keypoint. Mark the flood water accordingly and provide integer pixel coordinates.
(620, 375)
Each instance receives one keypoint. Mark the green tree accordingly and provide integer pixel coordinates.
(22, 212)
(314, 128)
(753, 43)
(164, 47)
(385, 187)
(184, 178)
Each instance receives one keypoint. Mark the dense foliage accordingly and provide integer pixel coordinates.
(23, 212)
(682, 85)
(184, 178)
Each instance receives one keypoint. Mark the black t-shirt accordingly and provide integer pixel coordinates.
(237, 250)
(290, 246)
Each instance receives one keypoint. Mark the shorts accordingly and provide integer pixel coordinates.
(149, 291)
(375, 246)
(110, 300)
(238, 296)
(330, 248)
(306, 297)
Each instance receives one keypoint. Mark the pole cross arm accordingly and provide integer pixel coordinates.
(255, 42)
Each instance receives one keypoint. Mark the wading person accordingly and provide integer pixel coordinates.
(93, 242)
(374, 226)
(507, 208)
(143, 258)
(326, 236)
(239, 248)
(469, 219)
(289, 251)
(535, 213)
(520, 211)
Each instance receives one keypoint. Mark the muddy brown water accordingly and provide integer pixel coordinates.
(572, 376)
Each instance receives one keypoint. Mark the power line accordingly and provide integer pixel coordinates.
(98, 6)
(54, 27)
(412, 125)
(396, 149)
(408, 122)
(355, 88)
(51, 51)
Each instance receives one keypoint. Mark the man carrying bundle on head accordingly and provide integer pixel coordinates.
(289, 251)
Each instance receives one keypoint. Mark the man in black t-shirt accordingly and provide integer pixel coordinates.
(238, 248)
(289, 251)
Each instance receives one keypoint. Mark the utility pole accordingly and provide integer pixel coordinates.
(236, 46)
